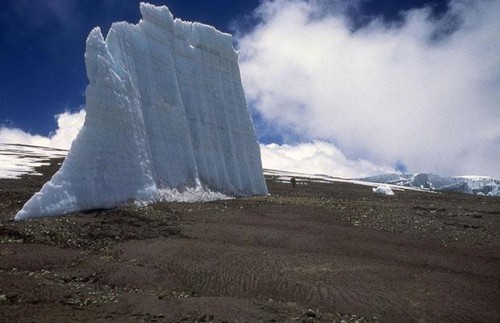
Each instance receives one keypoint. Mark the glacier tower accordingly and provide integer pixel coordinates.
(165, 109)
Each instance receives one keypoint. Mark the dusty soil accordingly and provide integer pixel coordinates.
(316, 252)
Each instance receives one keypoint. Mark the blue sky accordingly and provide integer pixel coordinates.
(43, 42)
(42, 70)
(353, 87)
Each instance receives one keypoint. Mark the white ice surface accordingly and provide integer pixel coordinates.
(495, 191)
(189, 195)
(471, 184)
(165, 110)
(477, 182)
(383, 190)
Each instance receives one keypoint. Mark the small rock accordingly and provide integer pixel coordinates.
(310, 313)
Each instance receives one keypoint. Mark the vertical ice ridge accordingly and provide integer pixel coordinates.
(161, 46)
(165, 109)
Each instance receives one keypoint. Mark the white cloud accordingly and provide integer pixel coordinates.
(317, 158)
(425, 91)
(68, 126)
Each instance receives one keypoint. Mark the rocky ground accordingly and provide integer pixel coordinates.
(316, 252)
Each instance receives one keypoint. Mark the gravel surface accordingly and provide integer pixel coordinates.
(332, 252)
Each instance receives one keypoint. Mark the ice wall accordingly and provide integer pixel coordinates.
(165, 109)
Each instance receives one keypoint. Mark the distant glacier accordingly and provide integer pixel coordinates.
(165, 110)
(480, 185)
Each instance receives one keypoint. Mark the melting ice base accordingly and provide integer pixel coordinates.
(190, 195)
(165, 111)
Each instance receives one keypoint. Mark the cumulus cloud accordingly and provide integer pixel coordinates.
(68, 126)
(315, 157)
(318, 158)
(424, 91)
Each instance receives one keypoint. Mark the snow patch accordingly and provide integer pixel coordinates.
(383, 190)
(19, 160)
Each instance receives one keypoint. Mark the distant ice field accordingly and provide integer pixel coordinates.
(17, 160)
(303, 178)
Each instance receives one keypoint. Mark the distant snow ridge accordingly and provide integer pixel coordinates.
(18, 160)
(481, 185)
(165, 110)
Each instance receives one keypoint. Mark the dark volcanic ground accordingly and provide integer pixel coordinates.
(316, 252)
